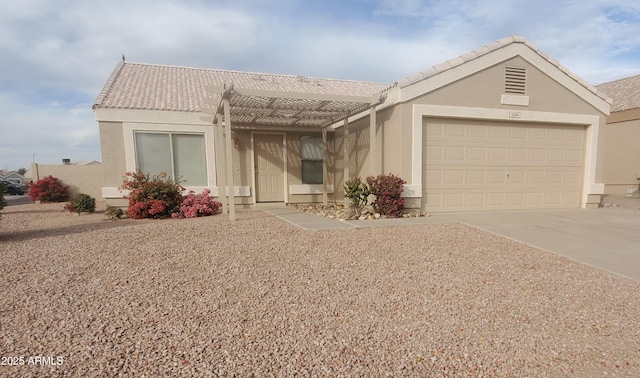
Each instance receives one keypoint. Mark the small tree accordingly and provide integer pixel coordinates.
(388, 190)
(49, 189)
(358, 192)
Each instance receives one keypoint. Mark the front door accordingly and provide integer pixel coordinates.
(269, 169)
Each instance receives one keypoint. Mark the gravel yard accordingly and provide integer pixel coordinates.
(84, 296)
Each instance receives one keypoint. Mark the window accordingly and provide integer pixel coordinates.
(181, 156)
(311, 155)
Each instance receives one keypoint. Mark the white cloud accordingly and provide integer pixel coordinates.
(57, 55)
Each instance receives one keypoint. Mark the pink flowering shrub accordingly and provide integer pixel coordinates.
(388, 190)
(151, 197)
(49, 189)
(198, 205)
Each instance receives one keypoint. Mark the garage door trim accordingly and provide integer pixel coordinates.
(592, 123)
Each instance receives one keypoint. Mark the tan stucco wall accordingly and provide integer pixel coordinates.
(622, 156)
(484, 89)
(85, 179)
(112, 147)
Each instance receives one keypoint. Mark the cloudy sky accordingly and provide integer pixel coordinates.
(55, 56)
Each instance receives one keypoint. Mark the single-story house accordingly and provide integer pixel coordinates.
(12, 176)
(621, 145)
(502, 127)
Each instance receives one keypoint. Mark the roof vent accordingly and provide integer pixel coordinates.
(515, 80)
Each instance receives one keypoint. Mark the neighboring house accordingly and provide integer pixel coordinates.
(12, 176)
(622, 142)
(502, 127)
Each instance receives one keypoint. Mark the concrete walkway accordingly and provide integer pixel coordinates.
(605, 238)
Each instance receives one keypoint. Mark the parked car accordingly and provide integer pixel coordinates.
(13, 188)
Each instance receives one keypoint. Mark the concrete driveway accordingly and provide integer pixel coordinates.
(607, 238)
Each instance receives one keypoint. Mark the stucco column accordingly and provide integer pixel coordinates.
(373, 150)
(345, 150)
(221, 166)
(229, 159)
(325, 172)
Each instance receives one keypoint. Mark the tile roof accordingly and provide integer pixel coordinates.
(160, 87)
(487, 49)
(624, 92)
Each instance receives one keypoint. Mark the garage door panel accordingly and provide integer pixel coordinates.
(572, 177)
(476, 154)
(434, 176)
(453, 153)
(553, 177)
(574, 156)
(435, 153)
(455, 130)
(495, 199)
(496, 177)
(516, 177)
(476, 177)
(454, 177)
(535, 177)
(477, 132)
(537, 133)
(473, 165)
(498, 154)
(553, 198)
(556, 134)
(518, 132)
(537, 155)
(475, 200)
(555, 155)
(453, 200)
(517, 154)
(515, 199)
(534, 199)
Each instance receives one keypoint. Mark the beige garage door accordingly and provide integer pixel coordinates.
(477, 165)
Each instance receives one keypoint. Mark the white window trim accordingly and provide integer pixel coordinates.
(309, 189)
(130, 129)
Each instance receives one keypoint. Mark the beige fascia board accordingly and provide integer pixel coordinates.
(483, 62)
(148, 116)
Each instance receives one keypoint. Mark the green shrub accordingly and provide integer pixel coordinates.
(114, 213)
(3, 190)
(151, 197)
(81, 203)
(388, 190)
(49, 189)
(358, 192)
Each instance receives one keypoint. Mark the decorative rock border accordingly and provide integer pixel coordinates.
(339, 211)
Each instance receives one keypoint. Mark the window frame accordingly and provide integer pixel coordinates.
(130, 149)
(314, 160)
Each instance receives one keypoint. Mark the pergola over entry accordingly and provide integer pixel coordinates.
(267, 109)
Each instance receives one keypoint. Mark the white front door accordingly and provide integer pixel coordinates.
(269, 167)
